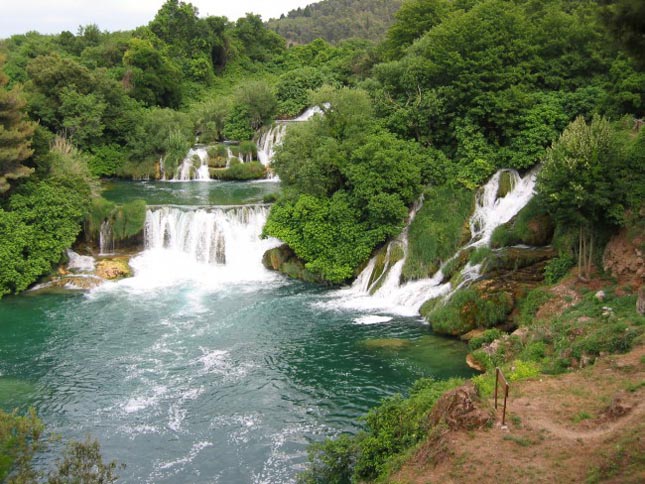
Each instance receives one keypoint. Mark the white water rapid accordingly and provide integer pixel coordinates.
(386, 294)
(268, 142)
(212, 246)
(194, 166)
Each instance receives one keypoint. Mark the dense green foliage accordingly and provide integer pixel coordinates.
(15, 134)
(582, 181)
(42, 218)
(437, 230)
(469, 309)
(348, 183)
(336, 20)
(391, 428)
(21, 438)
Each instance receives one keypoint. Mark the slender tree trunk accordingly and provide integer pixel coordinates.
(580, 252)
(590, 256)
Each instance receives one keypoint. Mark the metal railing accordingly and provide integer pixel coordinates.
(499, 375)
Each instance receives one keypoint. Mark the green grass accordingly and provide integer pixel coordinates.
(469, 309)
(437, 230)
(531, 226)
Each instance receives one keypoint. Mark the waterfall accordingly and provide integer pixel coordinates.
(492, 211)
(268, 141)
(371, 292)
(188, 169)
(225, 237)
(106, 238)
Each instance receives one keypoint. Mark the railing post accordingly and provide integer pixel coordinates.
(496, 380)
(504, 411)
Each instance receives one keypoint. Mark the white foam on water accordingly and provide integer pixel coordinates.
(373, 319)
(80, 263)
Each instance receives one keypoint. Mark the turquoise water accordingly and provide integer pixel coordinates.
(207, 379)
(189, 193)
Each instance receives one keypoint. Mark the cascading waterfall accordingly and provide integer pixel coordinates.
(195, 165)
(217, 242)
(268, 141)
(492, 210)
(188, 169)
(106, 238)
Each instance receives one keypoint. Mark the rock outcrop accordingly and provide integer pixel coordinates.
(459, 409)
(284, 260)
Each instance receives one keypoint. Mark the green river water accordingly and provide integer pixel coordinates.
(210, 378)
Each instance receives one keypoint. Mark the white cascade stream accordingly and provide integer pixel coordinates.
(392, 297)
(189, 171)
(212, 246)
(106, 238)
(269, 140)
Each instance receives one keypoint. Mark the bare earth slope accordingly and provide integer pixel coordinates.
(586, 426)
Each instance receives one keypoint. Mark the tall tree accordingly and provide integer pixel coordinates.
(581, 184)
(15, 134)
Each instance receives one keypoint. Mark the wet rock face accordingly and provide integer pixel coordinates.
(284, 260)
(624, 258)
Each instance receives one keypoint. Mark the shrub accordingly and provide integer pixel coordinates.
(529, 305)
(487, 336)
(479, 255)
(242, 171)
(557, 268)
(468, 309)
(392, 428)
(437, 230)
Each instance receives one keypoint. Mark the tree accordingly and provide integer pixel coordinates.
(626, 21)
(580, 183)
(413, 19)
(21, 438)
(152, 77)
(15, 134)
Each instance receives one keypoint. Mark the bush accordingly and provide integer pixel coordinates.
(437, 230)
(487, 336)
(241, 171)
(106, 160)
(557, 268)
(468, 309)
(479, 255)
(392, 428)
(529, 305)
(531, 226)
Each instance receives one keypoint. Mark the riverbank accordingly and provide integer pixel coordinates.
(582, 426)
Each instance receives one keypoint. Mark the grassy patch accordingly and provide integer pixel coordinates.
(468, 309)
(531, 226)
(521, 441)
(437, 230)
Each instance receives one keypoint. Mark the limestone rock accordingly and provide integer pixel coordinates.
(640, 302)
(624, 259)
(284, 260)
(113, 268)
(474, 364)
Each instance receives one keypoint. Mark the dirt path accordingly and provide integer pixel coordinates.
(587, 426)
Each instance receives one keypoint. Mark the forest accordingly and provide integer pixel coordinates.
(455, 91)
(418, 97)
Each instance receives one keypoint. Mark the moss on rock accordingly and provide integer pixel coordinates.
(283, 259)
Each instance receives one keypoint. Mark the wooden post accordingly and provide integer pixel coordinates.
(504, 411)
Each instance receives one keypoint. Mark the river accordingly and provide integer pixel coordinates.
(200, 370)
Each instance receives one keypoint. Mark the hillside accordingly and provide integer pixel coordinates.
(336, 20)
(582, 426)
